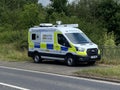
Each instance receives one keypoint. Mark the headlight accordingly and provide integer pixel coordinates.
(80, 49)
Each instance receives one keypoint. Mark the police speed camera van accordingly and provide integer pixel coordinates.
(63, 42)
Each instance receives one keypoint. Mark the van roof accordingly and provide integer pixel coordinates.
(61, 29)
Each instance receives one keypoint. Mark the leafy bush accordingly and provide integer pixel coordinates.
(109, 39)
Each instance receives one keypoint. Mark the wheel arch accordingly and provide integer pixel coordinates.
(35, 52)
(69, 54)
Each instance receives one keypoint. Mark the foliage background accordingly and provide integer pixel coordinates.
(99, 19)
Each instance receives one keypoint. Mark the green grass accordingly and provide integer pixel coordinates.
(9, 52)
(112, 72)
(13, 45)
(109, 61)
(110, 55)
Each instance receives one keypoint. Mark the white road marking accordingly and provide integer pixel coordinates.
(72, 77)
(13, 86)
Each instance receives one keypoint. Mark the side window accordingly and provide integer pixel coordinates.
(33, 36)
(62, 40)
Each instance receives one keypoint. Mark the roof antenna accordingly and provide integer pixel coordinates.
(58, 22)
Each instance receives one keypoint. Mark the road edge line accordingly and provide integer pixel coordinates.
(73, 77)
(13, 86)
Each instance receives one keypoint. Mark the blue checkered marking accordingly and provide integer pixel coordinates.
(64, 48)
(37, 45)
(49, 46)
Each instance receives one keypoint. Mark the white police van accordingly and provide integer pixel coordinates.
(63, 42)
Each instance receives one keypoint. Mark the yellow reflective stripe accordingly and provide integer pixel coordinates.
(72, 48)
(81, 53)
(31, 44)
(43, 46)
(56, 45)
(55, 37)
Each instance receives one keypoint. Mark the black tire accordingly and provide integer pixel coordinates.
(91, 63)
(70, 60)
(37, 58)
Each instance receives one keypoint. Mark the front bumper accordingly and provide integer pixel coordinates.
(88, 58)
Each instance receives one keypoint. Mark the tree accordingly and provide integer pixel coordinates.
(59, 6)
(108, 12)
(84, 9)
(109, 39)
(10, 12)
(29, 15)
(16, 4)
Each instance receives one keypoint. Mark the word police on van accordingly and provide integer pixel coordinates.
(63, 42)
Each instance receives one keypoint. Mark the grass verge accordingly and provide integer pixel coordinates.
(111, 72)
(9, 52)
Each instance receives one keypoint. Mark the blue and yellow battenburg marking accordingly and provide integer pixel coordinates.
(37, 45)
(49, 46)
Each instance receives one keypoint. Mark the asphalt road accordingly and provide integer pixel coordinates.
(51, 67)
(19, 79)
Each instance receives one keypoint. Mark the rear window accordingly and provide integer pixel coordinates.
(33, 36)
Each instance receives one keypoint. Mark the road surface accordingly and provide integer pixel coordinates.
(19, 79)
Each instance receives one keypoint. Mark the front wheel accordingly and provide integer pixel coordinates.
(37, 58)
(70, 60)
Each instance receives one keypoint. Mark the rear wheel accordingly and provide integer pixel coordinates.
(70, 60)
(37, 58)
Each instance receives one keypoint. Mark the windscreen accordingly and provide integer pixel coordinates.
(78, 38)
